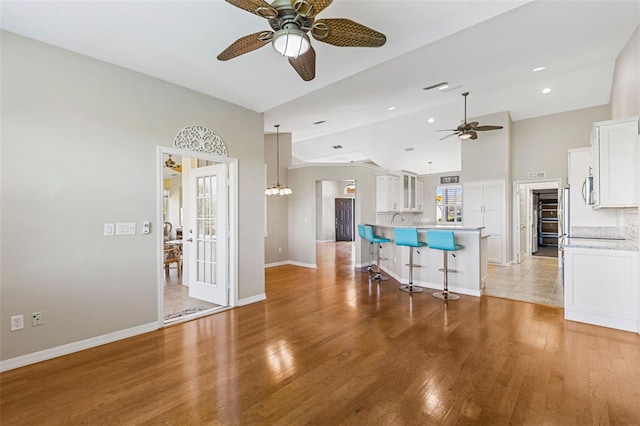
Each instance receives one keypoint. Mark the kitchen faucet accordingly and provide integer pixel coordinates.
(394, 216)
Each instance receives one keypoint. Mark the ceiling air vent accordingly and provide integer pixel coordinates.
(337, 146)
(537, 175)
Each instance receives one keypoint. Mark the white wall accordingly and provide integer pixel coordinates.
(540, 144)
(302, 205)
(79, 147)
(625, 90)
(276, 244)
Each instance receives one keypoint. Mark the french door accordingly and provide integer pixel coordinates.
(207, 235)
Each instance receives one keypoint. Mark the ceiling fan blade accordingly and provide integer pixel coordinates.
(473, 134)
(448, 136)
(447, 130)
(246, 44)
(346, 33)
(482, 128)
(258, 7)
(305, 64)
(309, 8)
(471, 125)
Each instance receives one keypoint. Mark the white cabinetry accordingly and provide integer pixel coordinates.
(408, 191)
(387, 193)
(483, 205)
(581, 213)
(401, 193)
(419, 196)
(601, 287)
(614, 150)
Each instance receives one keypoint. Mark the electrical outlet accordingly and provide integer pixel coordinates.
(37, 318)
(17, 322)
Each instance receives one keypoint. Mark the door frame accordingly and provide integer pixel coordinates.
(529, 186)
(232, 169)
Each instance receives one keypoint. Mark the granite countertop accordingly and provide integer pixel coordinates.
(599, 243)
(421, 225)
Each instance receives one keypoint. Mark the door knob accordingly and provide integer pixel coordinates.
(190, 240)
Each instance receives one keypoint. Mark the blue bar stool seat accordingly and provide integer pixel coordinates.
(377, 240)
(409, 237)
(364, 237)
(445, 241)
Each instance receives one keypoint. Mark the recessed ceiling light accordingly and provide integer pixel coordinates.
(391, 108)
(431, 120)
(539, 69)
(320, 122)
(546, 90)
(433, 86)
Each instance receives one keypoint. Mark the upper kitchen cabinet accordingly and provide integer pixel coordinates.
(484, 206)
(614, 156)
(401, 193)
(387, 193)
(411, 192)
(581, 212)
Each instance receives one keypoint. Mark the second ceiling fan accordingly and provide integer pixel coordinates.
(468, 130)
(290, 21)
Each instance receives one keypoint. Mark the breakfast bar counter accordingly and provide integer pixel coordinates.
(470, 262)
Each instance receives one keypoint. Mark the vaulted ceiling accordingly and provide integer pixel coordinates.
(371, 100)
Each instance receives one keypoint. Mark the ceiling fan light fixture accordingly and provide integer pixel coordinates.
(465, 136)
(291, 42)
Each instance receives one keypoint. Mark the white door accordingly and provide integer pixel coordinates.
(207, 234)
(521, 206)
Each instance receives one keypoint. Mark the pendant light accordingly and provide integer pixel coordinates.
(276, 188)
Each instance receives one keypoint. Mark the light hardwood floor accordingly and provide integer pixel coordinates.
(328, 347)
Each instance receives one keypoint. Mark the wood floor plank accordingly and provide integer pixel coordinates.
(331, 347)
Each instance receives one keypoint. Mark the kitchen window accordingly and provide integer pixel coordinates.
(449, 204)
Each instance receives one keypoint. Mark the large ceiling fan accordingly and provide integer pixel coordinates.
(291, 20)
(468, 130)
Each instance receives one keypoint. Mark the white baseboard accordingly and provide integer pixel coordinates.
(252, 299)
(434, 286)
(602, 320)
(325, 241)
(304, 265)
(291, 262)
(274, 264)
(32, 358)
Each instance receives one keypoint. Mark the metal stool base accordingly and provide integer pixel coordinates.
(379, 277)
(445, 295)
(411, 288)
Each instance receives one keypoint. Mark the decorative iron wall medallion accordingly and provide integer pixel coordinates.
(200, 139)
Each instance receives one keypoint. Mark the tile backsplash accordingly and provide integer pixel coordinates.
(629, 219)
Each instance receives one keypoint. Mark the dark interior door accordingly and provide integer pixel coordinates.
(344, 219)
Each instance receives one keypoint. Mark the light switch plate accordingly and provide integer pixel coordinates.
(109, 230)
(125, 228)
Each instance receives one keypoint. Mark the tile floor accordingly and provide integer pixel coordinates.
(176, 296)
(536, 279)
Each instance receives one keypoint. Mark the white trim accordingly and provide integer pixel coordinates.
(274, 264)
(602, 320)
(80, 345)
(367, 166)
(252, 299)
(434, 286)
(290, 262)
(304, 265)
(328, 241)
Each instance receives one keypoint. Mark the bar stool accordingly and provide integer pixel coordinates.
(445, 241)
(364, 237)
(409, 237)
(377, 240)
